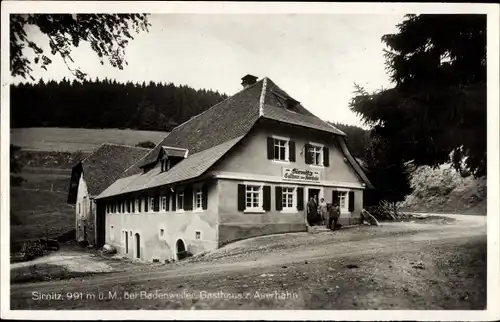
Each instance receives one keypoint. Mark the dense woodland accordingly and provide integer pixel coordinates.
(107, 104)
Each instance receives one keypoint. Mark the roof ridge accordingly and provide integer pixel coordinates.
(124, 145)
(262, 96)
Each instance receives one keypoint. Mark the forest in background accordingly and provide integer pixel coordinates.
(107, 104)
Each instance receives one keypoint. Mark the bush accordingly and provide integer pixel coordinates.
(31, 250)
(146, 144)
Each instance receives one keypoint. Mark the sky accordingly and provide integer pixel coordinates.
(315, 58)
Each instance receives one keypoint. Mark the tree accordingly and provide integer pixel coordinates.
(437, 107)
(107, 34)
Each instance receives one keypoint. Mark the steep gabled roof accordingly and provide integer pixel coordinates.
(105, 165)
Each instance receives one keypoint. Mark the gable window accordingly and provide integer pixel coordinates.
(165, 165)
(287, 197)
(164, 203)
(280, 149)
(198, 199)
(180, 200)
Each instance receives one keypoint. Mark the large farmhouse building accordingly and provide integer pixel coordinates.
(90, 177)
(243, 168)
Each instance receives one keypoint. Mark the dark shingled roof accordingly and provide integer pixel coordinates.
(104, 166)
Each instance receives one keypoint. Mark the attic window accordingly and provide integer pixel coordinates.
(165, 165)
(290, 104)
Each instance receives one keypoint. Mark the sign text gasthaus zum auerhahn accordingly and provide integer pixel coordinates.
(300, 174)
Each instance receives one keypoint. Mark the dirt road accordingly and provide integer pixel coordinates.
(428, 265)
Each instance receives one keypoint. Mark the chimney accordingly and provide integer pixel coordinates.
(248, 80)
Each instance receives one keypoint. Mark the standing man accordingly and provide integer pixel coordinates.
(333, 216)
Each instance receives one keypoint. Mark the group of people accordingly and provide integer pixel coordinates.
(326, 214)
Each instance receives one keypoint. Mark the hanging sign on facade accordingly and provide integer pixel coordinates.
(300, 174)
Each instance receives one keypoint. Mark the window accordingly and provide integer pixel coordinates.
(162, 232)
(253, 199)
(316, 154)
(288, 197)
(112, 233)
(164, 203)
(197, 234)
(198, 199)
(180, 200)
(151, 204)
(79, 209)
(137, 205)
(281, 149)
(343, 202)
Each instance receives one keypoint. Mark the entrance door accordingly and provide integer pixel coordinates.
(137, 246)
(126, 242)
(313, 217)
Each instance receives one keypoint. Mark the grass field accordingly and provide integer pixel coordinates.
(39, 213)
(72, 140)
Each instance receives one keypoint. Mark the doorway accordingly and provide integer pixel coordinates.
(181, 249)
(126, 242)
(313, 217)
(137, 246)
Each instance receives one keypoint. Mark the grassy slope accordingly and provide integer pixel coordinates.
(48, 155)
(72, 140)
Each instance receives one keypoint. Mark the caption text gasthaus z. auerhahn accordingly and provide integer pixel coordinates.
(163, 295)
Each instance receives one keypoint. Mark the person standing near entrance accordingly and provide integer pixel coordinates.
(333, 216)
(322, 210)
(311, 211)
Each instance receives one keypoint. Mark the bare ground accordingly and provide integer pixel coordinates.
(431, 265)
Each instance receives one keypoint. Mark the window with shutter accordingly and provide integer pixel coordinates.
(291, 147)
(204, 191)
(351, 201)
(270, 148)
(241, 197)
(326, 157)
(266, 204)
(188, 198)
(174, 201)
(300, 198)
(308, 154)
(279, 201)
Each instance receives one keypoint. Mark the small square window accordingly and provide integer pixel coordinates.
(162, 232)
(198, 235)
